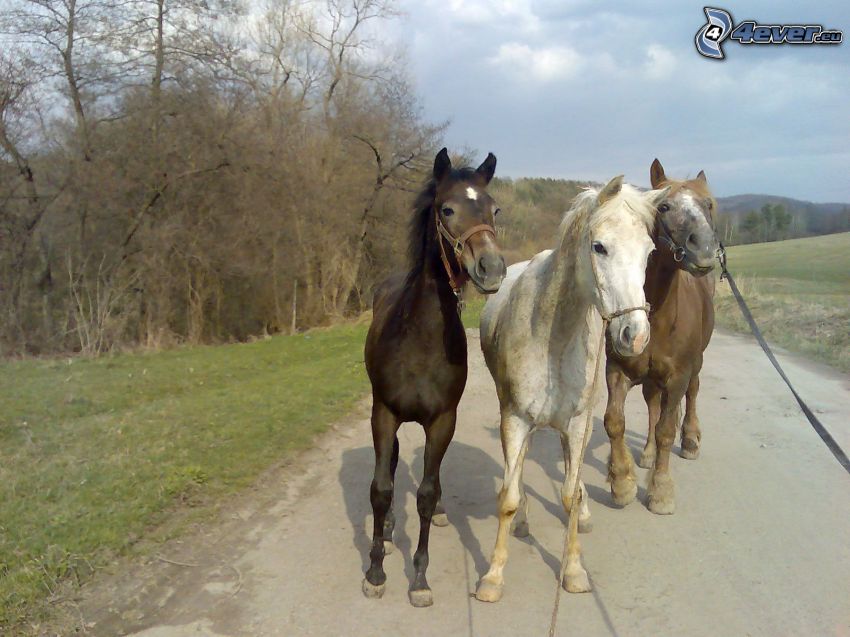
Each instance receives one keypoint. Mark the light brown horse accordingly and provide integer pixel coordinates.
(681, 322)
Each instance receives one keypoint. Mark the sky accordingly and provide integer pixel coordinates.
(585, 89)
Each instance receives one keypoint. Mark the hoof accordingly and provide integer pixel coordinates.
(389, 547)
(661, 506)
(521, 529)
(690, 449)
(371, 591)
(577, 582)
(585, 526)
(624, 491)
(440, 519)
(488, 591)
(422, 598)
(647, 459)
(661, 497)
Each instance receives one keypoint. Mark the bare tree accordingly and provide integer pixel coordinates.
(340, 33)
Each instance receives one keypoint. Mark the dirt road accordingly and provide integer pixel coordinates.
(759, 544)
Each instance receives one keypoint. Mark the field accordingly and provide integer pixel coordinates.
(94, 454)
(799, 293)
(97, 455)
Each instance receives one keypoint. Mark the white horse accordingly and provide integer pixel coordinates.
(540, 334)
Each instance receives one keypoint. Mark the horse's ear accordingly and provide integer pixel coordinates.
(701, 176)
(488, 168)
(655, 197)
(442, 165)
(656, 173)
(610, 190)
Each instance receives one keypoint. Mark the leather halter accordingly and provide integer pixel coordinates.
(459, 245)
(667, 239)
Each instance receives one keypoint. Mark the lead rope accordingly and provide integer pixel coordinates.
(571, 531)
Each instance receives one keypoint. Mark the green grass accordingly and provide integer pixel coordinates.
(473, 304)
(799, 293)
(95, 453)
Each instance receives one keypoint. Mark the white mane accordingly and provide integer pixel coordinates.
(587, 214)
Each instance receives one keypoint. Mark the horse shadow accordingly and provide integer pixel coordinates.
(467, 476)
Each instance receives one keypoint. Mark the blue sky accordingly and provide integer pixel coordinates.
(586, 89)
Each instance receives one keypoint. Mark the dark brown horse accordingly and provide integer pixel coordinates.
(681, 322)
(416, 346)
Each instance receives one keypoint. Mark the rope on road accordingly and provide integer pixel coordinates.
(816, 424)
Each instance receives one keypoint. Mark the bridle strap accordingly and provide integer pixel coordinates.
(645, 307)
(458, 247)
(666, 238)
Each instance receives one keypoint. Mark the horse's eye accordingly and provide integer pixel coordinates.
(598, 248)
(710, 204)
(448, 212)
(663, 207)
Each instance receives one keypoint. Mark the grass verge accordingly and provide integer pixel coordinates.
(798, 292)
(94, 453)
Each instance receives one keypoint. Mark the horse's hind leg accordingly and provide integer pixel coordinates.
(520, 522)
(691, 434)
(621, 470)
(440, 518)
(384, 427)
(514, 445)
(438, 435)
(389, 520)
(652, 396)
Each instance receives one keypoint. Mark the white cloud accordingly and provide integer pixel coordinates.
(544, 63)
(660, 62)
(517, 13)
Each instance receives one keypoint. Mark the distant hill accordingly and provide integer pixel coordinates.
(743, 219)
(737, 204)
(534, 208)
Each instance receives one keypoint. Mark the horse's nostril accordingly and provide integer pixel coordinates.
(482, 267)
(625, 335)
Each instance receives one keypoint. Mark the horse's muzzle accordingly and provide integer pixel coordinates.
(630, 333)
(700, 252)
(488, 273)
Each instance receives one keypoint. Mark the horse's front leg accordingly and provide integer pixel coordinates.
(438, 435)
(652, 396)
(621, 469)
(571, 441)
(384, 428)
(575, 577)
(691, 434)
(515, 433)
(660, 491)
